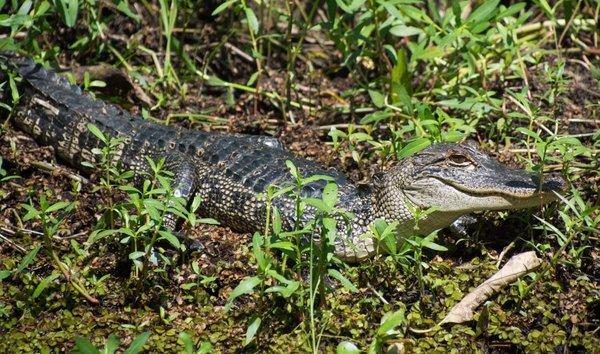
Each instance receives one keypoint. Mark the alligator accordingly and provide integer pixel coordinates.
(230, 173)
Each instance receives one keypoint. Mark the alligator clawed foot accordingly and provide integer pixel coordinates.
(194, 245)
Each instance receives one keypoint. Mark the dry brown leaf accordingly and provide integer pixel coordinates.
(516, 267)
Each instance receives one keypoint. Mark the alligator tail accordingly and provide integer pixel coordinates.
(35, 74)
(57, 113)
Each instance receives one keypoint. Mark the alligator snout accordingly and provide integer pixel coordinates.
(527, 184)
(550, 182)
(554, 182)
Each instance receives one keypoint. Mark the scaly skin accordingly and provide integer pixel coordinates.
(229, 172)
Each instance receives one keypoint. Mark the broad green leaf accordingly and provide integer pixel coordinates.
(136, 255)
(285, 291)
(84, 346)
(401, 95)
(529, 133)
(208, 221)
(215, 81)
(29, 257)
(246, 286)
(252, 20)
(315, 178)
(360, 136)
(330, 194)
(334, 273)
(545, 6)
(68, 10)
(223, 7)
(252, 79)
(43, 284)
(25, 7)
(123, 6)
(319, 204)
(252, 329)
(94, 130)
(415, 13)
(483, 12)
(137, 344)
(404, 31)
(293, 169)
(283, 245)
(4, 274)
(57, 206)
(205, 348)
(188, 343)
(392, 10)
(453, 136)
(346, 347)
(172, 239)
(513, 9)
(277, 222)
(376, 117)
(434, 246)
(428, 53)
(377, 98)
(32, 212)
(390, 321)
(349, 7)
(188, 286)
(414, 146)
(112, 344)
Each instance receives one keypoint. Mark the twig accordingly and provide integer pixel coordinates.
(568, 24)
(42, 165)
(377, 293)
(12, 232)
(239, 52)
(12, 244)
(503, 253)
(558, 23)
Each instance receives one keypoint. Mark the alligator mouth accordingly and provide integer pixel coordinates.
(515, 188)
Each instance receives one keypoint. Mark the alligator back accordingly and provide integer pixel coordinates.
(230, 170)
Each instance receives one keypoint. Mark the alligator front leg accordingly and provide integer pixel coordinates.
(184, 183)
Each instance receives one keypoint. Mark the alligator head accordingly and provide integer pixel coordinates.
(456, 179)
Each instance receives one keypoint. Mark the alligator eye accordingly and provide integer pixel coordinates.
(459, 160)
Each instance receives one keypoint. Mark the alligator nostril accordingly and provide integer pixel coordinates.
(554, 182)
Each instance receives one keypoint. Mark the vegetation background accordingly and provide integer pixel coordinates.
(354, 84)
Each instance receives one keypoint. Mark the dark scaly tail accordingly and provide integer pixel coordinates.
(35, 74)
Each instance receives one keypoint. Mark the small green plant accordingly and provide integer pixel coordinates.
(89, 84)
(111, 176)
(300, 255)
(4, 176)
(168, 17)
(23, 18)
(112, 344)
(417, 244)
(388, 329)
(151, 204)
(50, 225)
(203, 281)
(106, 162)
(188, 345)
(142, 215)
(68, 10)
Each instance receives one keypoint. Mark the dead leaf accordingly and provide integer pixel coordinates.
(516, 267)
